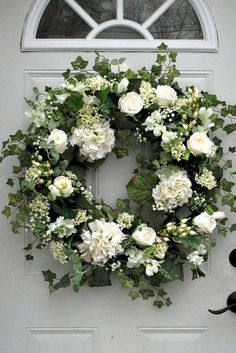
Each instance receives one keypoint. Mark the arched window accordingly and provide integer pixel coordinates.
(119, 25)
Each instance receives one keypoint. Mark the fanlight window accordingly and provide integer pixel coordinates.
(119, 24)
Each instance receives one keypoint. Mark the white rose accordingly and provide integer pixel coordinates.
(59, 138)
(144, 235)
(199, 143)
(165, 96)
(205, 222)
(123, 85)
(62, 97)
(62, 186)
(130, 104)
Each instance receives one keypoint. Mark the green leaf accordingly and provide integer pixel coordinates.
(125, 281)
(156, 70)
(183, 212)
(7, 211)
(227, 185)
(134, 294)
(63, 282)
(232, 149)
(74, 102)
(120, 152)
(99, 278)
(160, 58)
(162, 46)
(123, 122)
(154, 219)
(10, 182)
(29, 257)
(123, 205)
(79, 63)
(49, 276)
(18, 136)
(233, 228)
(146, 293)
(230, 128)
(140, 188)
(228, 200)
(173, 56)
(175, 270)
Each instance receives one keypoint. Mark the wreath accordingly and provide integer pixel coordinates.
(174, 190)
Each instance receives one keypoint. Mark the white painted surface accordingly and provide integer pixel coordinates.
(105, 320)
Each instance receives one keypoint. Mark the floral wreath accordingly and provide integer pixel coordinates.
(175, 187)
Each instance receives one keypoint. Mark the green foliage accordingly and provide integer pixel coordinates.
(79, 63)
(140, 188)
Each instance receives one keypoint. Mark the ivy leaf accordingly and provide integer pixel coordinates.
(232, 149)
(156, 70)
(233, 228)
(120, 152)
(230, 128)
(140, 188)
(227, 185)
(63, 282)
(146, 293)
(162, 46)
(99, 278)
(123, 205)
(7, 211)
(228, 200)
(49, 276)
(79, 63)
(29, 257)
(134, 294)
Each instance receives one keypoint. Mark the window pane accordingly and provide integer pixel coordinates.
(119, 33)
(60, 21)
(178, 22)
(140, 10)
(99, 10)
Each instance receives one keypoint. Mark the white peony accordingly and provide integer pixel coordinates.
(130, 104)
(165, 95)
(59, 138)
(62, 186)
(144, 235)
(199, 143)
(123, 85)
(101, 242)
(172, 191)
(207, 223)
(95, 141)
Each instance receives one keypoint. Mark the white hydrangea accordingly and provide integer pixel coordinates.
(101, 242)
(57, 251)
(206, 179)
(62, 227)
(135, 257)
(172, 191)
(95, 141)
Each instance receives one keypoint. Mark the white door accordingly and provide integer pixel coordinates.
(105, 320)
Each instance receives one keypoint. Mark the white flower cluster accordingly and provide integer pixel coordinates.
(95, 142)
(148, 94)
(101, 242)
(172, 191)
(125, 220)
(196, 257)
(136, 259)
(62, 227)
(161, 247)
(57, 251)
(206, 179)
(96, 83)
(181, 230)
(39, 171)
(82, 216)
(155, 123)
(39, 211)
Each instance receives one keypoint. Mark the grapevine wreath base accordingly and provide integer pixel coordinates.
(73, 129)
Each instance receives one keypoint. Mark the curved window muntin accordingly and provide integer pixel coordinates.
(31, 43)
